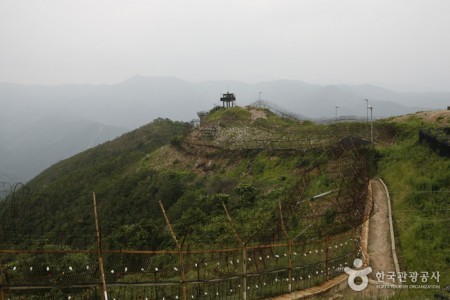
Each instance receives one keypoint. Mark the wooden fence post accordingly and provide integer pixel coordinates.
(99, 251)
(326, 259)
(289, 248)
(1, 279)
(183, 275)
(180, 251)
(290, 266)
(244, 252)
(244, 271)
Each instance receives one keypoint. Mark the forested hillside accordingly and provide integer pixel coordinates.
(248, 159)
(54, 207)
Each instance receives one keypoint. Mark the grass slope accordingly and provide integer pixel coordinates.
(131, 174)
(419, 182)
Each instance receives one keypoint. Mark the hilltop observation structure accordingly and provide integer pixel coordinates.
(228, 99)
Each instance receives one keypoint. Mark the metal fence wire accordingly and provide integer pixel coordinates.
(35, 269)
(246, 272)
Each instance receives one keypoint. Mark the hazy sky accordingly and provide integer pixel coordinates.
(398, 44)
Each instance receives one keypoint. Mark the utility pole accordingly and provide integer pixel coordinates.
(337, 106)
(367, 109)
(371, 123)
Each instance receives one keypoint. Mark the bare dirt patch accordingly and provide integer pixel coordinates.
(166, 157)
(256, 114)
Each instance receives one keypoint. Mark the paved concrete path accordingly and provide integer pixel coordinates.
(380, 259)
(379, 238)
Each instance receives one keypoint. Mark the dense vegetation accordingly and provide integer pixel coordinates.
(56, 205)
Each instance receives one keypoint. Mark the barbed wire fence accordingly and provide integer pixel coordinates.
(242, 272)
(46, 268)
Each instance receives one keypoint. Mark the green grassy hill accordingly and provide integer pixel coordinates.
(252, 161)
(419, 183)
(55, 206)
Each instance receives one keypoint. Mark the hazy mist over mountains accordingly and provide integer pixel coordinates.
(136, 101)
(41, 125)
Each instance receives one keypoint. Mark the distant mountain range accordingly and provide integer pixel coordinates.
(41, 125)
(28, 150)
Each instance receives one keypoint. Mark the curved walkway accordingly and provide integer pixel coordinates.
(379, 258)
(380, 251)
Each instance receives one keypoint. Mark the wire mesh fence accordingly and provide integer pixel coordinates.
(245, 272)
(90, 269)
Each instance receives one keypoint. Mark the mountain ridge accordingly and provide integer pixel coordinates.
(133, 102)
(179, 99)
(40, 144)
